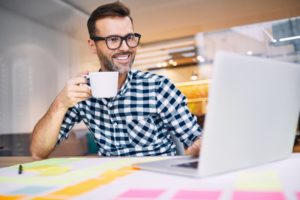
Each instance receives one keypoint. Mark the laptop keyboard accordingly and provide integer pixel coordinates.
(193, 164)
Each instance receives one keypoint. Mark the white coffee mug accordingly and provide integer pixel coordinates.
(103, 84)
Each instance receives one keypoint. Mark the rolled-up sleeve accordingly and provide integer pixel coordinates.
(71, 117)
(173, 110)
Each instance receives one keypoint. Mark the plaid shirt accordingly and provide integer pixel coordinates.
(139, 121)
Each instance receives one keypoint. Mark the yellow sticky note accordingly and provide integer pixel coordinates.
(48, 170)
(38, 168)
(258, 181)
(82, 187)
(54, 171)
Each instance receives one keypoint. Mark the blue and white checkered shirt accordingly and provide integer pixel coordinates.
(139, 121)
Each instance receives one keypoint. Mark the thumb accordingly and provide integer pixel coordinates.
(85, 72)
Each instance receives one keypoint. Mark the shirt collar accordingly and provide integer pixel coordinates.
(126, 85)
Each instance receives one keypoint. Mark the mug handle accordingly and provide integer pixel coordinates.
(87, 77)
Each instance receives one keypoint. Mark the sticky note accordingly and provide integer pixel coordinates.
(141, 194)
(258, 181)
(55, 171)
(196, 195)
(51, 161)
(48, 198)
(298, 195)
(243, 195)
(11, 197)
(115, 173)
(82, 187)
(46, 170)
(31, 190)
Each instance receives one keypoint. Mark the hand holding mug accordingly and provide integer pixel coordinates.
(75, 90)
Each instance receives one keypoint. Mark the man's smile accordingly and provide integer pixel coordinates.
(122, 57)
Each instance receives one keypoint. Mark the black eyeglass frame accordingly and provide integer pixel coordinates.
(98, 38)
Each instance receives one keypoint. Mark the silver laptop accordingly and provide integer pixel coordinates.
(252, 114)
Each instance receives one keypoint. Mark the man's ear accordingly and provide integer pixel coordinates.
(92, 46)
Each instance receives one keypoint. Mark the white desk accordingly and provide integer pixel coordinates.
(109, 178)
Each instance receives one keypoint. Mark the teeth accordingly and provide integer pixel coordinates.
(122, 57)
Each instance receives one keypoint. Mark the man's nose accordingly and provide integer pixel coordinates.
(124, 46)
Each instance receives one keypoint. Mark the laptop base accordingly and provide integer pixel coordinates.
(178, 166)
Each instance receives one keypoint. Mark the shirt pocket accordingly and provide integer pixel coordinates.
(142, 131)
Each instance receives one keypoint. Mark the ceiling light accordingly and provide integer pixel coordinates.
(201, 59)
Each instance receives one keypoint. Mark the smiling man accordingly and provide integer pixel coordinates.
(139, 120)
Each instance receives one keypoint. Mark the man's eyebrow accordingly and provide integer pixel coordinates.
(119, 35)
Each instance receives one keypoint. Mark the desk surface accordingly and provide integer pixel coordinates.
(114, 178)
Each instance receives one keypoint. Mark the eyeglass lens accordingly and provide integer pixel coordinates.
(114, 42)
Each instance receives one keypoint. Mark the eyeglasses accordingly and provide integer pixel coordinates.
(114, 42)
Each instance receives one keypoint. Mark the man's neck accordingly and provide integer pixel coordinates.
(122, 79)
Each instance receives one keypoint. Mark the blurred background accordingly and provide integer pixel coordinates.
(43, 43)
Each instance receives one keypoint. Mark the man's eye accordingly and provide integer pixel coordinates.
(113, 39)
(130, 37)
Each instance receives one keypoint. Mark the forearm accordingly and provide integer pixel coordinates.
(45, 133)
(194, 149)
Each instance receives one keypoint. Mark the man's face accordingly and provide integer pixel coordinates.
(119, 59)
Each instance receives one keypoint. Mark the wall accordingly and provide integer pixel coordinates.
(35, 62)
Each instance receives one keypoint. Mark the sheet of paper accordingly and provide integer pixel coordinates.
(196, 194)
(141, 194)
(258, 181)
(258, 195)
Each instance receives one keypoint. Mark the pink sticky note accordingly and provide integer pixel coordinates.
(243, 195)
(196, 194)
(298, 195)
(141, 194)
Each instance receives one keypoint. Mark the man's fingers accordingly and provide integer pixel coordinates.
(82, 95)
(78, 80)
(83, 73)
(194, 149)
(80, 89)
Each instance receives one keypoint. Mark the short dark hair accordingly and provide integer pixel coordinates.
(116, 9)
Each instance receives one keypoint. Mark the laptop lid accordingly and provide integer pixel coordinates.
(251, 119)
(252, 113)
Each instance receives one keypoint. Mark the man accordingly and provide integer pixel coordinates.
(139, 120)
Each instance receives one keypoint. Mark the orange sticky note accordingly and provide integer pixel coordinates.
(82, 187)
(12, 197)
(47, 198)
(115, 173)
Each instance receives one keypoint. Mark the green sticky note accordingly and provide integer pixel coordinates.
(258, 181)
